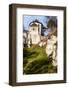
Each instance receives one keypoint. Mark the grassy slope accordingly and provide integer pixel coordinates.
(36, 61)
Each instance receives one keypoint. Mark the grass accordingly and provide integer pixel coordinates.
(36, 61)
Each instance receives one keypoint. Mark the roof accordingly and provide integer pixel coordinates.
(35, 23)
(25, 31)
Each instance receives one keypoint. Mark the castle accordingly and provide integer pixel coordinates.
(34, 34)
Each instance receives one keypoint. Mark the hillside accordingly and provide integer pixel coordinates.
(36, 61)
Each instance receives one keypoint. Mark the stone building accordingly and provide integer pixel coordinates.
(34, 35)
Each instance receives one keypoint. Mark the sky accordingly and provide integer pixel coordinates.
(29, 18)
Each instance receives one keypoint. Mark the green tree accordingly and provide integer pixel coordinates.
(53, 26)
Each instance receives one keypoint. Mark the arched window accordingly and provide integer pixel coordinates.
(33, 29)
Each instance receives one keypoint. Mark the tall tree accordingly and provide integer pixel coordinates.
(52, 24)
